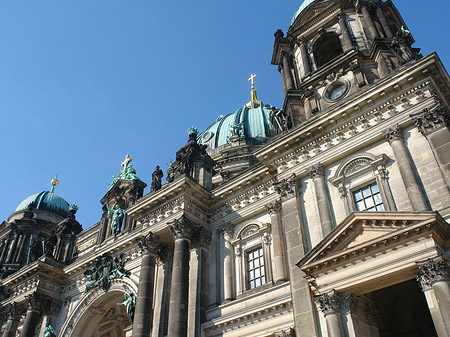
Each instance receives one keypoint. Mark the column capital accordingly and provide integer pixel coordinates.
(330, 302)
(301, 41)
(316, 171)
(431, 119)
(182, 228)
(393, 134)
(35, 301)
(14, 310)
(433, 270)
(149, 244)
(227, 230)
(290, 332)
(201, 237)
(273, 207)
(286, 187)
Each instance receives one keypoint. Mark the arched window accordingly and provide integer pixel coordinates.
(328, 47)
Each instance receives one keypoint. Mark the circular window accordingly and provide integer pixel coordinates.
(207, 136)
(336, 90)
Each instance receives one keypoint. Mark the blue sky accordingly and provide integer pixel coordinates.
(83, 83)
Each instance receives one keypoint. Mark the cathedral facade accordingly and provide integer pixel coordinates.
(327, 216)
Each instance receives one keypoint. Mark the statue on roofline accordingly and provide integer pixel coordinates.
(127, 173)
(156, 179)
(116, 218)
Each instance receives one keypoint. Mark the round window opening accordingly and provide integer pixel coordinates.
(336, 90)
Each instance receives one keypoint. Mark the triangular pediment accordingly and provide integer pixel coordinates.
(362, 232)
(312, 11)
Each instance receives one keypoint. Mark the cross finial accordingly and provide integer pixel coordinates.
(251, 79)
(127, 160)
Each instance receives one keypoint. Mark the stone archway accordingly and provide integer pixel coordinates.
(97, 313)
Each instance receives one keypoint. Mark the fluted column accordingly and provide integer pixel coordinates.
(143, 315)
(279, 260)
(228, 274)
(395, 138)
(292, 224)
(346, 38)
(198, 281)
(13, 311)
(12, 250)
(369, 22)
(434, 125)
(383, 21)
(304, 55)
(317, 174)
(287, 70)
(179, 289)
(331, 305)
(34, 302)
(435, 273)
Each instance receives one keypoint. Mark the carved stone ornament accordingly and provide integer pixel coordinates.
(432, 119)
(201, 237)
(107, 268)
(330, 302)
(286, 187)
(14, 310)
(227, 229)
(392, 134)
(273, 207)
(372, 314)
(290, 332)
(35, 301)
(316, 171)
(182, 228)
(433, 270)
(249, 230)
(149, 244)
(356, 164)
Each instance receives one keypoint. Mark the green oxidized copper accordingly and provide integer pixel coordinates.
(49, 332)
(192, 130)
(237, 133)
(106, 268)
(127, 173)
(130, 304)
(73, 207)
(116, 218)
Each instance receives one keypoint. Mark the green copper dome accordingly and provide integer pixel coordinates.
(302, 7)
(47, 201)
(252, 124)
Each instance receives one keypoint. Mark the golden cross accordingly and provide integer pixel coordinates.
(126, 161)
(252, 79)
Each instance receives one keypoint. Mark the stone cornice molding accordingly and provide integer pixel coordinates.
(433, 270)
(432, 119)
(393, 133)
(400, 228)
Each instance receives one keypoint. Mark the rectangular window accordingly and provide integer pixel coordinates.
(368, 199)
(255, 268)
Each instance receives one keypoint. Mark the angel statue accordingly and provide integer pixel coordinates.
(116, 218)
(130, 304)
(49, 332)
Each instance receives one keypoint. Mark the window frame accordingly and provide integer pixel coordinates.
(362, 170)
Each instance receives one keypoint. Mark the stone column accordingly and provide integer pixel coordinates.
(283, 80)
(13, 311)
(34, 302)
(12, 250)
(279, 259)
(434, 125)
(331, 305)
(143, 315)
(228, 274)
(383, 21)
(198, 282)
(435, 273)
(373, 33)
(162, 291)
(395, 138)
(317, 174)
(292, 224)
(346, 38)
(182, 230)
(287, 70)
(305, 57)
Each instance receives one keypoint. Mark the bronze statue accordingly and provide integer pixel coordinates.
(156, 179)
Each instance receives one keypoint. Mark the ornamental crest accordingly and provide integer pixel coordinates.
(107, 268)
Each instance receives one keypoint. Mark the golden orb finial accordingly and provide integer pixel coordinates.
(54, 182)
